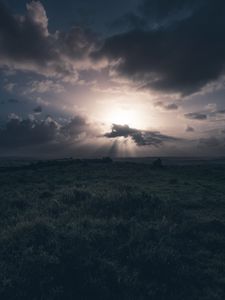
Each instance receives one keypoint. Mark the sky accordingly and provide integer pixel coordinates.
(84, 78)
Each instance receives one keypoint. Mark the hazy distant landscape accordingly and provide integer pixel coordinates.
(102, 229)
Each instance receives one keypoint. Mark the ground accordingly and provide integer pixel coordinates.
(96, 229)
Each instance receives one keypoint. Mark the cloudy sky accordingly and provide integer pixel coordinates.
(88, 78)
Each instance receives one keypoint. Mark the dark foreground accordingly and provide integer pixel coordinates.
(100, 230)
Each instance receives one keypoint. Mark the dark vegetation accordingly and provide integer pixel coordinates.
(97, 229)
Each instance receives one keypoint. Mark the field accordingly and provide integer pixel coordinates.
(95, 229)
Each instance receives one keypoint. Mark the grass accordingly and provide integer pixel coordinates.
(101, 230)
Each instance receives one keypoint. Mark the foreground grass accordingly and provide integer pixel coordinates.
(95, 230)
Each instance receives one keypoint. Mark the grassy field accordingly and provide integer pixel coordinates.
(121, 230)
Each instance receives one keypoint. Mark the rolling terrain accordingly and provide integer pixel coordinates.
(97, 229)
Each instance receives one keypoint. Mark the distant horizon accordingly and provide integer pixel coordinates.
(112, 157)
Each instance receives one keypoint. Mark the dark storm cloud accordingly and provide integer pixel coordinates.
(27, 44)
(181, 56)
(220, 112)
(211, 115)
(164, 106)
(37, 109)
(20, 133)
(212, 142)
(189, 129)
(31, 132)
(25, 38)
(196, 116)
(77, 127)
(140, 137)
(171, 46)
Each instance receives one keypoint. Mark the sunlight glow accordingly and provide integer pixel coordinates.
(123, 117)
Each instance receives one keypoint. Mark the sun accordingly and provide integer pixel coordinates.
(122, 117)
